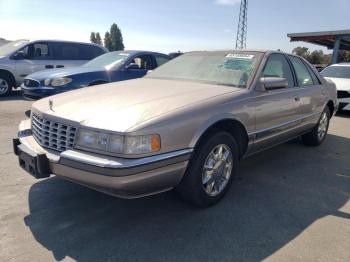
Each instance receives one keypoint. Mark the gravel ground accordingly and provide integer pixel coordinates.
(291, 204)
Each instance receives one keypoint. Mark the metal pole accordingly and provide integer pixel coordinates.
(336, 50)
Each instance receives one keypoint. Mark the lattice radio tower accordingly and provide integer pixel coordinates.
(241, 40)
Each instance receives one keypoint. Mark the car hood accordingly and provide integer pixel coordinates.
(52, 73)
(342, 84)
(120, 106)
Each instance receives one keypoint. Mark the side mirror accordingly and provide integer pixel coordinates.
(273, 83)
(20, 55)
(132, 66)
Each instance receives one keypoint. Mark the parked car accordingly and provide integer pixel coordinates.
(21, 58)
(110, 67)
(175, 54)
(340, 75)
(185, 125)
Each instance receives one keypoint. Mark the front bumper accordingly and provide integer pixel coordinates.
(126, 178)
(33, 93)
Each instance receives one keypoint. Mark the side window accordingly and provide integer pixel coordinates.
(41, 51)
(313, 75)
(25, 51)
(66, 51)
(278, 66)
(161, 59)
(144, 62)
(36, 51)
(303, 75)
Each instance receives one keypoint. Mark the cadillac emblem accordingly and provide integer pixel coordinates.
(51, 105)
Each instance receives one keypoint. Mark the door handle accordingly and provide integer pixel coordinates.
(297, 99)
(59, 66)
(49, 66)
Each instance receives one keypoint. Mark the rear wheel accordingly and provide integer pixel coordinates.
(319, 132)
(211, 170)
(6, 84)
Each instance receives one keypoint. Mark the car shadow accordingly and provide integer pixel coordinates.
(14, 95)
(282, 192)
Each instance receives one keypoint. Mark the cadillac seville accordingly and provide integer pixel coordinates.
(184, 126)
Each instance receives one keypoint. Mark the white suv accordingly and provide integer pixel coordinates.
(340, 75)
(21, 58)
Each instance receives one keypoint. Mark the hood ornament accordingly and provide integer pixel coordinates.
(51, 105)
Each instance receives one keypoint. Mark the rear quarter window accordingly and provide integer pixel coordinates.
(75, 51)
(161, 59)
(303, 75)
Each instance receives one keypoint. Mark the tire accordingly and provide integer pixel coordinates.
(203, 185)
(6, 84)
(319, 132)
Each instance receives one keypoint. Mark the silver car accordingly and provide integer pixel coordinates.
(21, 58)
(186, 125)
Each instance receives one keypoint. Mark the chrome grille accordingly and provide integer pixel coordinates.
(343, 94)
(51, 134)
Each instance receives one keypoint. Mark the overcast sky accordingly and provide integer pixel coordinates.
(166, 26)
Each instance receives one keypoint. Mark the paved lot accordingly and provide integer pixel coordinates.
(291, 204)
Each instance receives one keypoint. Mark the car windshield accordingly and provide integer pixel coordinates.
(109, 60)
(223, 68)
(11, 47)
(337, 72)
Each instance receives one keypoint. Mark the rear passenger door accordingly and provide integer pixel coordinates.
(74, 54)
(309, 91)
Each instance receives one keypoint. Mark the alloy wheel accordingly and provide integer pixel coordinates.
(217, 170)
(4, 86)
(322, 126)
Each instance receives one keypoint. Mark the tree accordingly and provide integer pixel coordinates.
(301, 51)
(116, 38)
(93, 37)
(316, 57)
(98, 39)
(107, 41)
(343, 56)
(113, 39)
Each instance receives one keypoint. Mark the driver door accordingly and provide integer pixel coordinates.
(37, 57)
(276, 110)
(145, 63)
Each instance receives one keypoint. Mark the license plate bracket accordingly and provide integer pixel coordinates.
(35, 164)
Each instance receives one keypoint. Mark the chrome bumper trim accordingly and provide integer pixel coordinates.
(123, 163)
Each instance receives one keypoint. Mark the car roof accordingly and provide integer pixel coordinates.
(341, 64)
(56, 40)
(232, 50)
(134, 52)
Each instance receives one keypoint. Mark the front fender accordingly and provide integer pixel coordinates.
(211, 122)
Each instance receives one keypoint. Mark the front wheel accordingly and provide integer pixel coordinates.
(211, 170)
(319, 132)
(5, 84)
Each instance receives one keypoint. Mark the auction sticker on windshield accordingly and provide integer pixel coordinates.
(242, 56)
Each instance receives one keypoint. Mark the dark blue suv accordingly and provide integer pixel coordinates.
(110, 67)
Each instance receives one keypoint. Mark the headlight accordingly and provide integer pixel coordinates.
(119, 144)
(60, 81)
(47, 82)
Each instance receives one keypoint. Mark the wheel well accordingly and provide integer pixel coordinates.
(331, 107)
(8, 73)
(97, 82)
(234, 127)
